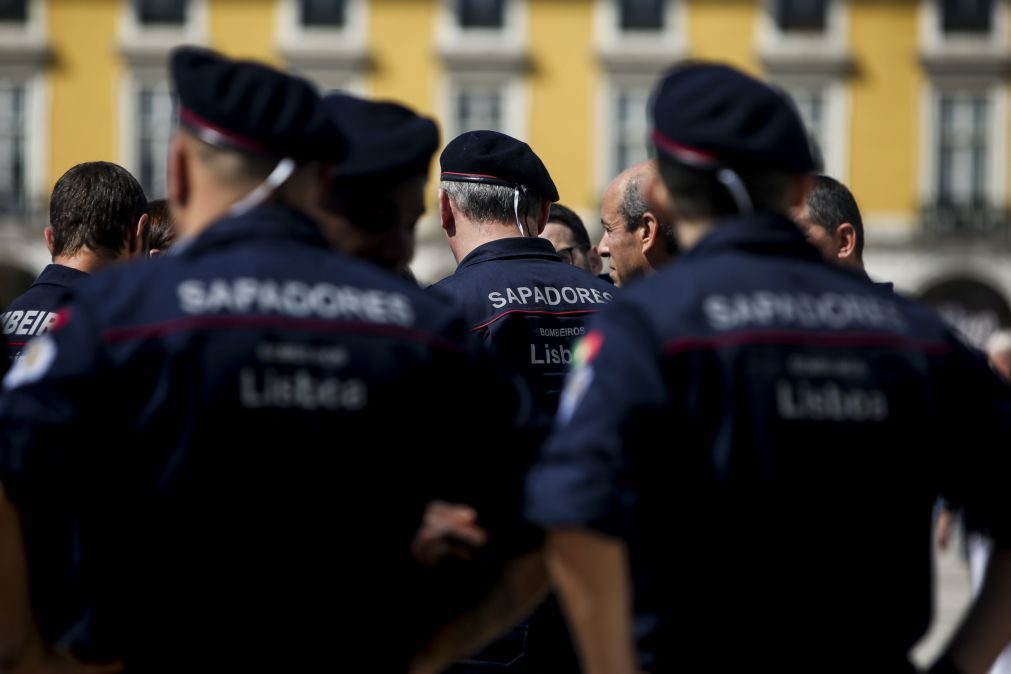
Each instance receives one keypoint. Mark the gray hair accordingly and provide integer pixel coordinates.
(481, 202)
(633, 203)
(633, 207)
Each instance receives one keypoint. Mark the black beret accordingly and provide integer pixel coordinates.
(496, 159)
(384, 139)
(710, 115)
(241, 105)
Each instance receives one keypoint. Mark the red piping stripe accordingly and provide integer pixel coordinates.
(534, 311)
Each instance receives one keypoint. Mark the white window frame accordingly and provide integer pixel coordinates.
(495, 57)
(820, 51)
(514, 101)
(24, 56)
(607, 122)
(137, 39)
(335, 58)
(133, 81)
(630, 59)
(934, 40)
(997, 176)
(640, 51)
(145, 51)
(836, 110)
(510, 38)
(610, 34)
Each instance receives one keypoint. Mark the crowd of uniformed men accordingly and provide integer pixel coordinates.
(269, 448)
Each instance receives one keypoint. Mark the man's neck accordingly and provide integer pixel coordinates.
(87, 261)
(689, 232)
(470, 235)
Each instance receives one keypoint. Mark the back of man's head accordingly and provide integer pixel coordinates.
(495, 179)
(95, 207)
(727, 144)
(831, 204)
(160, 227)
(565, 216)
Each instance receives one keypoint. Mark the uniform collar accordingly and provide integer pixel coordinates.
(513, 247)
(269, 221)
(764, 232)
(60, 275)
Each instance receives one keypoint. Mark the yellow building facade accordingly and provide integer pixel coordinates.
(906, 99)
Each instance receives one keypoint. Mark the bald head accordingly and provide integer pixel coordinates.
(635, 240)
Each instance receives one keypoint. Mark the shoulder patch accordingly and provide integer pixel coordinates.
(33, 364)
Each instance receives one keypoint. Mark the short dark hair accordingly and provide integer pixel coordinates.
(95, 205)
(565, 216)
(161, 230)
(830, 204)
(633, 207)
(700, 196)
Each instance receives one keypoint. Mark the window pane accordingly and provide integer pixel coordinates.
(479, 108)
(13, 187)
(169, 12)
(641, 14)
(631, 127)
(322, 13)
(481, 13)
(966, 16)
(154, 128)
(802, 14)
(962, 149)
(14, 10)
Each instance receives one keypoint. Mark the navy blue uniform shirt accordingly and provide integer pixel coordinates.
(34, 312)
(768, 435)
(528, 306)
(219, 455)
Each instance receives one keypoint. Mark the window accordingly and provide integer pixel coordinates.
(641, 15)
(15, 11)
(481, 13)
(161, 12)
(811, 103)
(802, 15)
(963, 120)
(966, 16)
(154, 115)
(631, 128)
(322, 13)
(13, 174)
(477, 107)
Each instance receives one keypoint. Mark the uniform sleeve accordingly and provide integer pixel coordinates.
(49, 430)
(41, 406)
(976, 451)
(582, 478)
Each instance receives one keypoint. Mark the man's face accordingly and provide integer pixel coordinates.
(622, 247)
(561, 238)
(817, 236)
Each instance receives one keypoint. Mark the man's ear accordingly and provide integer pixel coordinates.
(648, 232)
(178, 178)
(137, 238)
(48, 234)
(446, 215)
(542, 216)
(846, 240)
